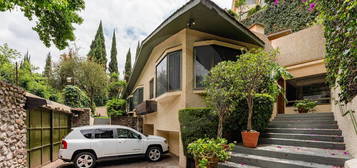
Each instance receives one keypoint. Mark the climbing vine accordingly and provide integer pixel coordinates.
(339, 18)
(281, 15)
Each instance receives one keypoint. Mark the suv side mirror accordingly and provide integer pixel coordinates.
(139, 137)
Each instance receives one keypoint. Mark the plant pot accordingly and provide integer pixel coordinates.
(302, 110)
(250, 138)
(212, 163)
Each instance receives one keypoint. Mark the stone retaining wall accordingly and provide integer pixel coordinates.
(12, 127)
(81, 117)
(129, 121)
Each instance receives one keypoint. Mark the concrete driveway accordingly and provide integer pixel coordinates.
(168, 161)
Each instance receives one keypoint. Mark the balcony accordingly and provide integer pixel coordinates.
(146, 107)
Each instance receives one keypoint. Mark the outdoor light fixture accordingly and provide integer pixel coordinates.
(191, 23)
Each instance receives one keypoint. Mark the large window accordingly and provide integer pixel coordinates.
(168, 73)
(130, 104)
(313, 88)
(208, 56)
(138, 96)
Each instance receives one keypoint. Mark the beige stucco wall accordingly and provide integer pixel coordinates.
(345, 122)
(303, 46)
(165, 121)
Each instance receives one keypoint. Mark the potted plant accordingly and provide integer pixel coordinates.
(208, 152)
(305, 106)
(253, 70)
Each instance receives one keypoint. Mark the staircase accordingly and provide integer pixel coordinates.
(310, 140)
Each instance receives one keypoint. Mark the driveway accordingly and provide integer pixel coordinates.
(168, 161)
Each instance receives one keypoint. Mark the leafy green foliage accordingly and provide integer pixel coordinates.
(127, 70)
(7, 68)
(287, 14)
(237, 121)
(197, 123)
(54, 19)
(207, 151)
(75, 97)
(339, 20)
(97, 52)
(115, 87)
(304, 106)
(116, 107)
(113, 64)
(48, 67)
(137, 50)
(254, 10)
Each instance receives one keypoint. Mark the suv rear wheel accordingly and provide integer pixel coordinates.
(153, 154)
(84, 160)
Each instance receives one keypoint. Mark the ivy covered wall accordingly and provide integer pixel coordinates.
(288, 14)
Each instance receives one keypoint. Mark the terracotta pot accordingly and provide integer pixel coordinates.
(250, 139)
(212, 163)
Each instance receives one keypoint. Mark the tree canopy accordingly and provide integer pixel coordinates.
(127, 71)
(97, 52)
(113, 64)
(54, 19)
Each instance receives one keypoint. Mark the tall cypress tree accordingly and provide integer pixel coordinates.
(113, 64)
(48, 67)
(127, 71)
(137, 50)
(97, 51)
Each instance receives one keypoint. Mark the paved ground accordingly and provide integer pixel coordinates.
(168, 161)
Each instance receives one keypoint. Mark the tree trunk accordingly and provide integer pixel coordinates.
(220, 126)
(250, 112)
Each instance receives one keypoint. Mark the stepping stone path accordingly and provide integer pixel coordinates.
(310, 140)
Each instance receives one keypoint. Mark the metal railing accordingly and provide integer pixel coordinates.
(344, 112)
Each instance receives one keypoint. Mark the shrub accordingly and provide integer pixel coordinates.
(75, 97)
(116, 107)
(208, 152)
(197, 123)
(304, 106)
(237, 121)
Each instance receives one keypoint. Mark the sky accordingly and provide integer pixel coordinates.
(132, 20)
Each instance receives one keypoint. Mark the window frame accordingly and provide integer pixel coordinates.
(133, 99)
(130, 131)
(165, 56)
(151, 89)
(210, 43)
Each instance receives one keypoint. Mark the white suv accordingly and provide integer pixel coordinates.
(85, 145)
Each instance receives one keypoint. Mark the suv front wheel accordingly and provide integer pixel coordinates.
(84, 160)
(153, 154)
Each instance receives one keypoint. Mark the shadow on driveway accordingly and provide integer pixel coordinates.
(168, 161)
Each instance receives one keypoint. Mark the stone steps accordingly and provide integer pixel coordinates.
(310, 140)
(315, 155)
(329, 138)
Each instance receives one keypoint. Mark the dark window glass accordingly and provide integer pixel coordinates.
(174, 70)
(130, 104)
(103, 133)
(161, 77)
(151, 83)
(125, 133)
(87, 133)
(208, 56)
(138, 96)
(312, 88)
(168, 73)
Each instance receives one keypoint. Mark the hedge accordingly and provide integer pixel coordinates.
(237, 121)
(198, 123)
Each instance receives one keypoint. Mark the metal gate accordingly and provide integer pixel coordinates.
(45, 130)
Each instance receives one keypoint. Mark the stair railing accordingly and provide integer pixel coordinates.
(344, 112)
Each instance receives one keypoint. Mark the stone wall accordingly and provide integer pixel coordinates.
(80, 117)
(129, 121)
(12, 127)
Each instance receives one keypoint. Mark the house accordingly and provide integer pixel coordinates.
(173, 60)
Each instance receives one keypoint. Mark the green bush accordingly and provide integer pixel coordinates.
(197, 123)
(237, 121)
(208, 152)
(116, 107)
(75, 97)
(304, 106)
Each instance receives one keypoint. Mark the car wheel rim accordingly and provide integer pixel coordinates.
(84, 161)
(154, 154)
